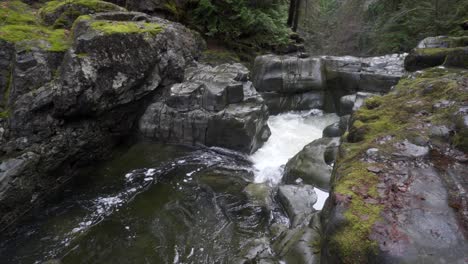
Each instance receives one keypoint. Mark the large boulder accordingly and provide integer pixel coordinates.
(354, 74)
(297, 201)
(278, 102)
(122, 60)
(71, 108)
(313, 164)
(337, 129)
(351, 103)
(288, 74)
(289, 82)
(301, 82)
(214, 106)
(302, 243)
(436, 51)
(420, 59)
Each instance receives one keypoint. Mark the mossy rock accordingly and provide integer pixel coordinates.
(16, 13)
(62, 13)
(126, 27)
(217, 57)
(457, 58)
(420, 59)
(20, 25)
(356, 205)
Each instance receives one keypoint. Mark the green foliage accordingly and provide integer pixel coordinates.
(398, 25)
(242, 22)
(126, 27)
(19, 24)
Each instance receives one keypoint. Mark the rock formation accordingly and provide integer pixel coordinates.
(302, 82)
(214, 106)
(65, 109)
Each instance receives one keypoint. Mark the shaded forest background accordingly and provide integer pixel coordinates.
(372, 27)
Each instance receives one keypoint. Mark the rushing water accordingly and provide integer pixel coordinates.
(157, 203)
(290, 132)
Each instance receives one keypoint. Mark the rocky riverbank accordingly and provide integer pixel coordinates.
(79, 79)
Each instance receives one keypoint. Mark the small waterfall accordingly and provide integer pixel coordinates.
(290, 132)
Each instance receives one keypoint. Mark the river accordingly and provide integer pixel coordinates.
(160, 203)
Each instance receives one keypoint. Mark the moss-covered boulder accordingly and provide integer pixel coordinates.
(422, 58)
(398, 188)
(62, 13)
(20, 26)
(436, 51)
(458, 58)
(69, 108)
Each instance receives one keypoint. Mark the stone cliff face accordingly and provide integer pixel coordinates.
(214, 106)
(399, 185)
(69, 108)
(302, 82)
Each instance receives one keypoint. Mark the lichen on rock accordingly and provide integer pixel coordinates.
(390, 152)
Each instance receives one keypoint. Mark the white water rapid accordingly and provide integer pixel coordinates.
(290, 132)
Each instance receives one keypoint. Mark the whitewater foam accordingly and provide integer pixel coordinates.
(290, 132)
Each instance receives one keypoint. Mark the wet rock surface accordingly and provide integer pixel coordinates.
(289, 82)
(373, 74)
(298, 82)
(298, 201)
(400, 195)
(214, 106)
(314, 164)
(437, 51)
(351, 103)
(68, 109)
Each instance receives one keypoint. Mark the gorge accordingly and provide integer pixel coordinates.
(123, 141)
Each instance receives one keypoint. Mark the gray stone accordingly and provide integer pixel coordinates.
(440, 132)
(313, 163)
(278, 103)
(71, 109)
(297, 201)
(442, 42)
(353, 74)
(214, 106)
(298, 245)
(351, 103)
(409, 150)
(288, 74)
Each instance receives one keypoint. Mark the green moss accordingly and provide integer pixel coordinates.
(126, 27)
(398, 115)
(65, 18)
(82, 55)
(4, 114)
(20, 24)
(95, 5)
(219, 56)
(57, 39)
(460, 140)
(62, 14)
(16, 12)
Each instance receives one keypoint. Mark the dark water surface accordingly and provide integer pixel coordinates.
(154, 203)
